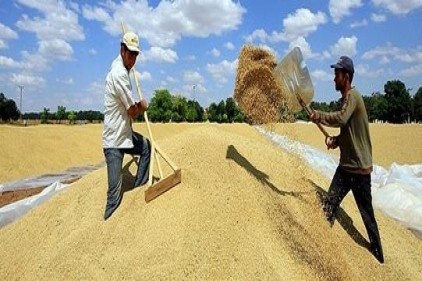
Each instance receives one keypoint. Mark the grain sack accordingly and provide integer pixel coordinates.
(258, 94)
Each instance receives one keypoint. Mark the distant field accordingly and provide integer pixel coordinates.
(35, 150)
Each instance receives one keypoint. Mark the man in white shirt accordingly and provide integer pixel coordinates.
(118, 136)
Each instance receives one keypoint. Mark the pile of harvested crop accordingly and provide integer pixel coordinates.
(256, 91)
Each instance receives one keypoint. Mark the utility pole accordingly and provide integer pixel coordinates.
(20, 107)
(193, 87)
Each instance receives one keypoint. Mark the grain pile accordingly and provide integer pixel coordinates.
(245, 210)
(258, 94)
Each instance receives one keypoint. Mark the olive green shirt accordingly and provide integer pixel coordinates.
(354, 139)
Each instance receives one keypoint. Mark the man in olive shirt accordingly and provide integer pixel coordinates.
(355, 167)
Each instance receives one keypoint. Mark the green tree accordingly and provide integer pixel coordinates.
(198, 109)
(302, 115)
(8, 109)
(323, 106)
(180, 109)
(417, 105)
(221, 110)
(191, 114)
(72, 117)
(376, 106)
(45, 115)
(239, 117)
(160, 107)
(90, 115)
(212, 112)
(230, 109)
(61, 113)
(398, 100)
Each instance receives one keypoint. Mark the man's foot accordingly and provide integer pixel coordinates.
(108, 214)
(110, 208)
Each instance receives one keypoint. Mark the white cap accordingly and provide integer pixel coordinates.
(131, 41)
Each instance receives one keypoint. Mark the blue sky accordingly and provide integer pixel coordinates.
(60, 51)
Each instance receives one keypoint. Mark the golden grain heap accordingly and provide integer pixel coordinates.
(256, 91)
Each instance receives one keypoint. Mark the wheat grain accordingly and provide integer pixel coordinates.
(257, 92)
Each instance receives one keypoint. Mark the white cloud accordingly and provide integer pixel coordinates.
(190, 58)
(191, 91)
(414, 70)
(55, 49)
(355, 24)
(166, 23)
(96, 13)
(193, 78)
(388, 54)
(259, 34)
(304, 47)
(215, 52)
(91, 98)
(378, 18)
(384, 60)
(387, 50)
(229, 46)
(144, 76)
(58, 21)
(34, 61)
(399, 7)
(301, 24)
(344, 46)
(171, 79)
(295, 26)
(365, 71)
(68, 81)
(158, 54)
(92, 51)
(8, 62)
(55, 26)
(321, 75)
(7, 32)
(27, 80)
(339, 9)
(222, 71)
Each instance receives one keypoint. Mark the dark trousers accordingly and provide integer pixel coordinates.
(360, 185)
(114, 160)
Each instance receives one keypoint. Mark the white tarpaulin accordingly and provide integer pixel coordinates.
(53, 183)
(397, 191)
(13, 211)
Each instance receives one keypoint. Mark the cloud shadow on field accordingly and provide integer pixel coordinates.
(343, 219)
(262, 177)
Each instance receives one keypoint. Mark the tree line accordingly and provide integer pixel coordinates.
(165, 107)
(395, 105)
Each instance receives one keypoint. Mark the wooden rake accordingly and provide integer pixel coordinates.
(163, 184)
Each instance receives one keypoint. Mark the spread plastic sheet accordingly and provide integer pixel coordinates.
(67, 176)
(53, 183)
(396, 191)
(11, 212)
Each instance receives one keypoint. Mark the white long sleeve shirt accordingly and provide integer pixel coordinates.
(117, 132)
